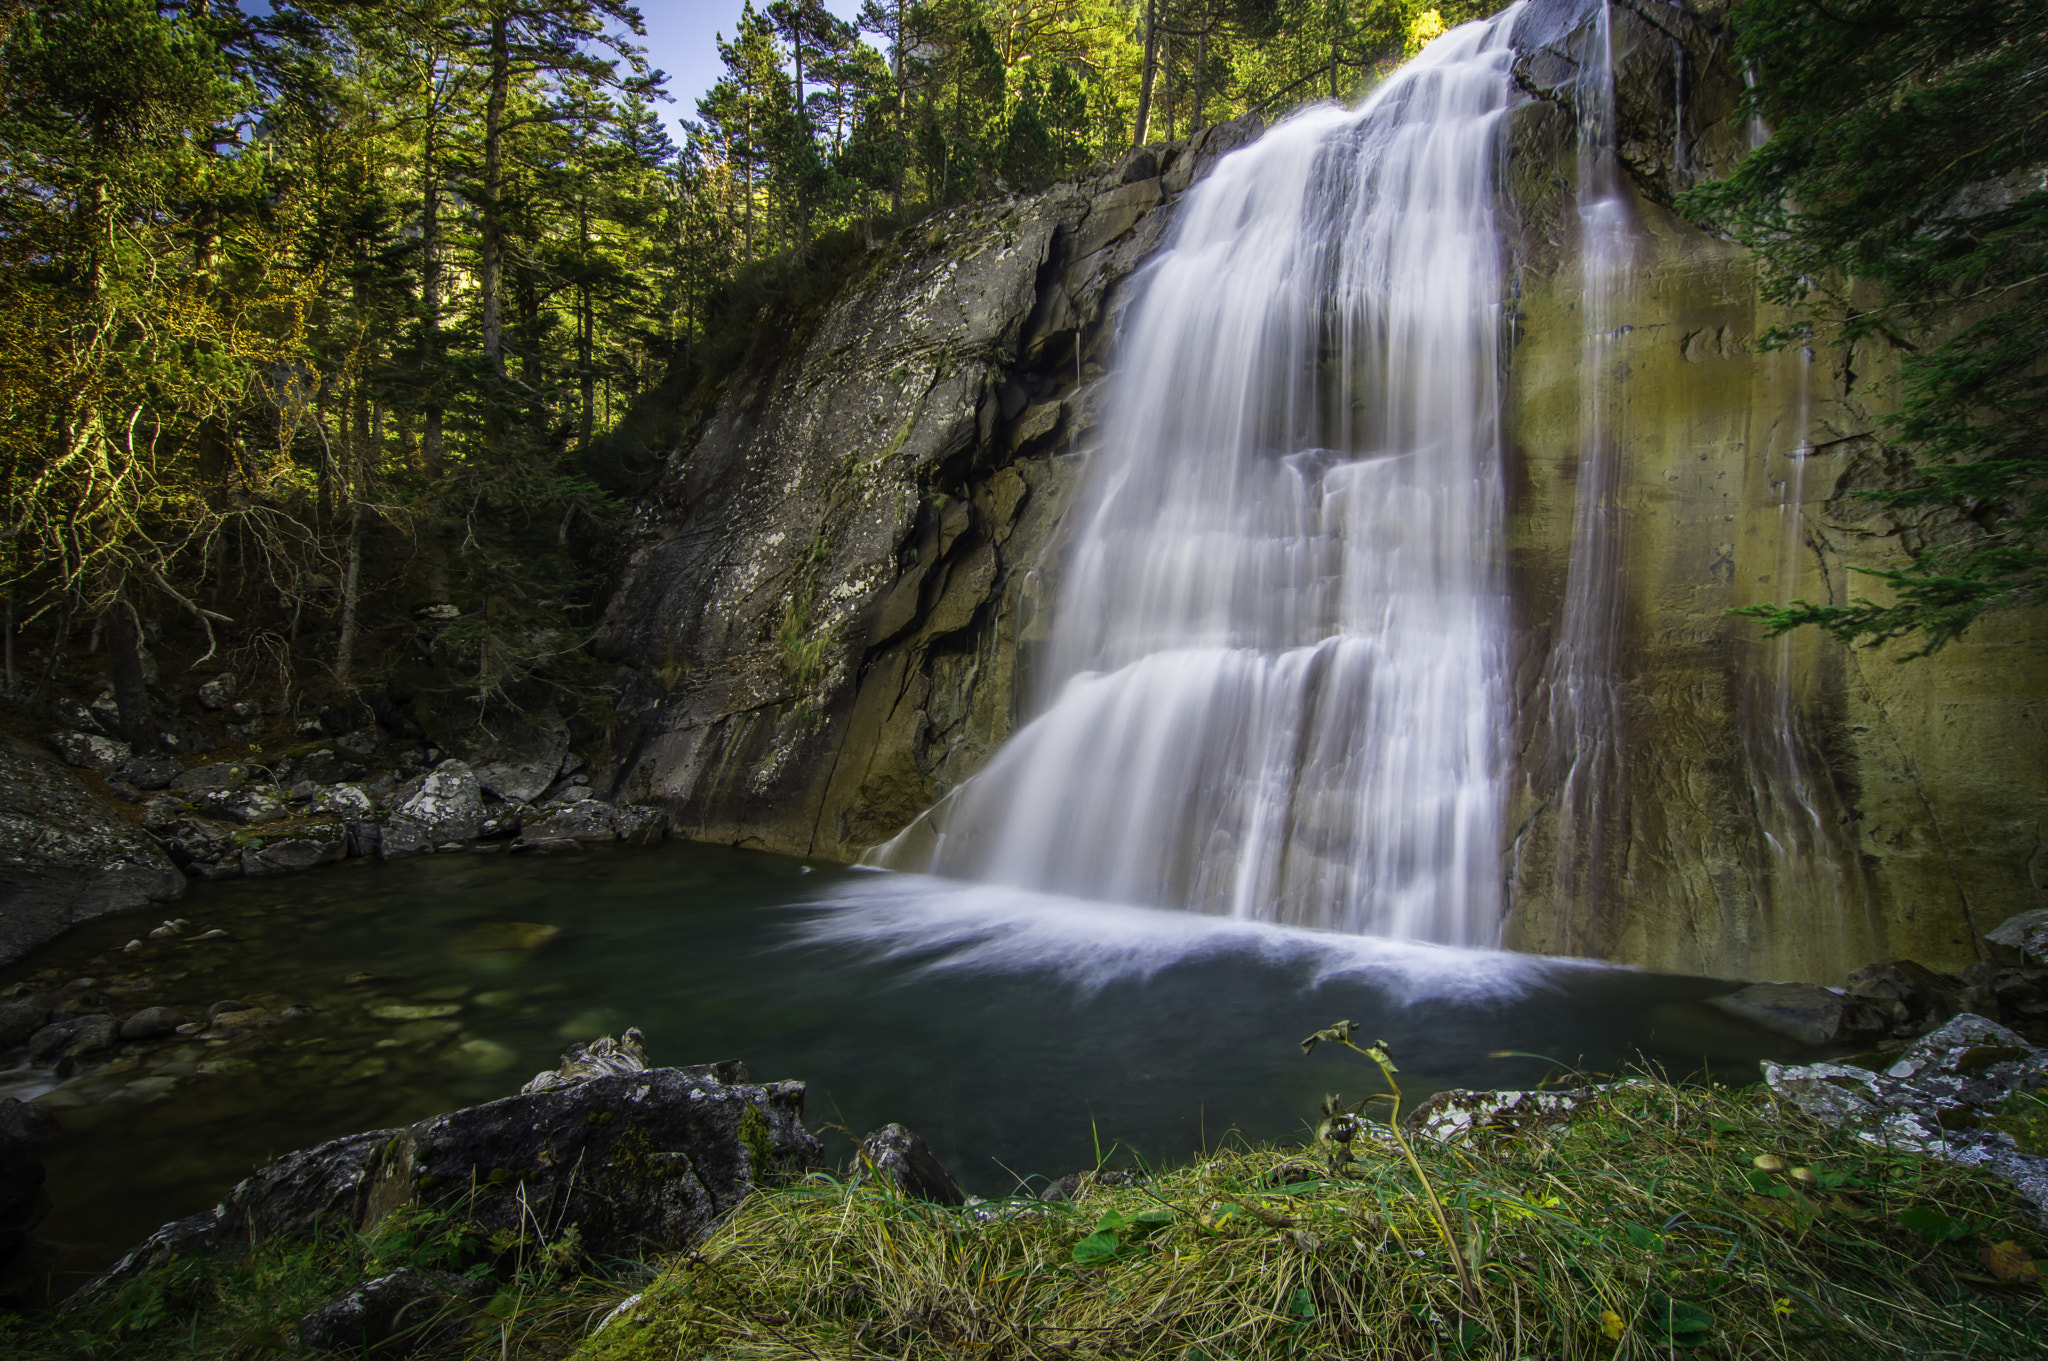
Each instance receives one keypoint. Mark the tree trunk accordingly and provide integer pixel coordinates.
(902, 133)
(1151, 72)
(585, 325)
(431, 414)
(131, 688)
(491, 262)
(344, 651)
(1201, 81)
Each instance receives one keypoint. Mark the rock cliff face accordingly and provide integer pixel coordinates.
(831, 615)
(1761, 809)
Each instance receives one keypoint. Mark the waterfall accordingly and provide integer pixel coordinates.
(1583, 703)
(1278, 664)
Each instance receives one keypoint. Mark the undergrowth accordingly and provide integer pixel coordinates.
(1661, 1220)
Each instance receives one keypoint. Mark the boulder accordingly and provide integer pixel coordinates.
(447, 803)
(643, 824)
(1902, 999)
(401, 836)
(514, 756)
(1464, 1116)
(2027, 933)
(360, 742)
(324, 767)
(583, 820)
(1805, 1012)
(395, 1315)
(348, 801)
(193, 841)
(19, 1020)
(90, 751)
(65, 857)
(894, 1158)
(218, 693)
(74, 715)
(151, 1022)
(151, 772)
(247, 806)
(23, 1202)
(1933, 1098)
(222, 776)
(73, 1037)
(640, 1162)
(309, 844)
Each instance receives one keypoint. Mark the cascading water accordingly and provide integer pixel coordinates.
(1584, 706)
(1279, 658)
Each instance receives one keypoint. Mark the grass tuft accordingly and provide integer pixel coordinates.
(1643, 1228)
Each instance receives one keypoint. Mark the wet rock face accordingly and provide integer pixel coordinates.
(841, 576)
(64, 857)
(1767, 809)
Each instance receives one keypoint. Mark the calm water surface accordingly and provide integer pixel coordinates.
(1017, 1033)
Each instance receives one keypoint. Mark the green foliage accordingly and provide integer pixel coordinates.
(1898, 206)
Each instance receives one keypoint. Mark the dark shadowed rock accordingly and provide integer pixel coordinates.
(73, 1037)
(150, 1022)
(1902, 999)
(212, 777)
(638, 1162)
(895, 1158)
(401, 836)
(19, 1020)
(151, 772)
(639, 823)
(584, 820)
(1805, 1012)
(395, 1315)
(65, 857)
(23, 1202)
(308, 845)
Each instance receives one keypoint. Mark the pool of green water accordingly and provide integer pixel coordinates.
(1024, 1037)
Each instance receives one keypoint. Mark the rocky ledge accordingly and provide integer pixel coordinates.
(119, 830)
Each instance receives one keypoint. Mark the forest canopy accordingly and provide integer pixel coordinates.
(317, 316)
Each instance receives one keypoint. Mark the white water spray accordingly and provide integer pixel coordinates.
(1279, 658)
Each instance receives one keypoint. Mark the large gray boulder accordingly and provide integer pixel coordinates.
(65, 857)
(1933, 1098)
(447, 803)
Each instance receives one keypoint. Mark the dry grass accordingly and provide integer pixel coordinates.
(1639, 1229)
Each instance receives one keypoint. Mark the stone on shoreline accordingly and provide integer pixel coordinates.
(895, 1158)
(639, 1161)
